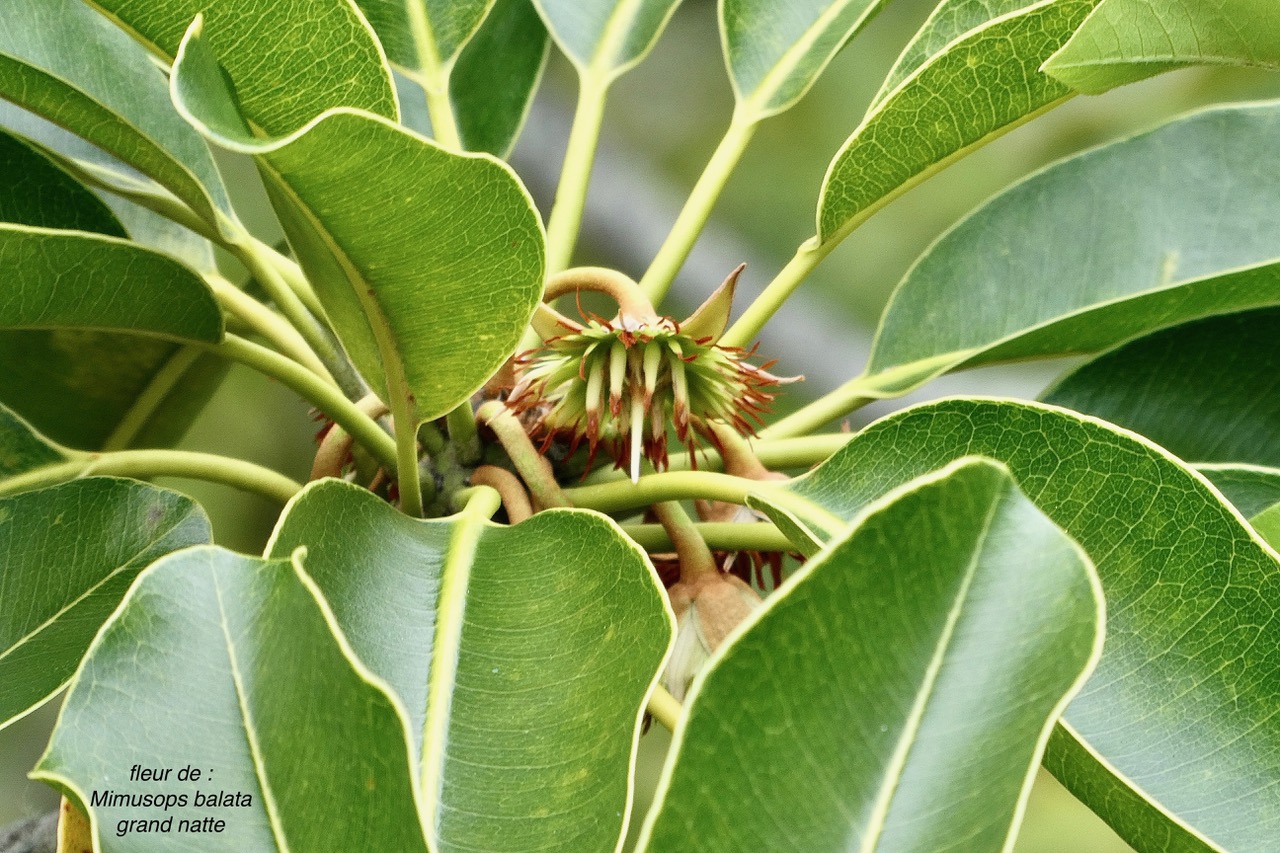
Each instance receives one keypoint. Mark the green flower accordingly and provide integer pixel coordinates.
(621, 385)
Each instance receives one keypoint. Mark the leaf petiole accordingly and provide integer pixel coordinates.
(267, 323)
(697, 209)
(719, 536)
(145, 464)
(667, 486)
(314, 390)
(575, 175)
(844, 400)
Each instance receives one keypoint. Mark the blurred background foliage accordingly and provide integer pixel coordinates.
(663, 120)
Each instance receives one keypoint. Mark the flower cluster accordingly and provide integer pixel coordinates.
(619, 385)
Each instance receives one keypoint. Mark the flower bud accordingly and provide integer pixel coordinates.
(706, 609)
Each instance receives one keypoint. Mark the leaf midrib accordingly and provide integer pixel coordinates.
(250, 731)
(401, 397)
(194, 195)
(605, 63)
(451, 605)
(906, 741)
(791, 58)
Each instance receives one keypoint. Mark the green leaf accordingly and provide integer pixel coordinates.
(493, 82)
(950, 20)
(1205, 391)
(63, 279)
(1249, 488)
(232, 666)
(22, 448)
(58, 589)
(429, 263)
(775, 51)
(35, 191)
(605, 38)
(1171, 737)
(444, 28)
(125, 192)
(282, 80)
(65, 62)
(808, 733)
(1138, 235)
(1267, 523)
(1128, 40)
(977, 87)
(529, 707)
(85, 388)
(79, 386)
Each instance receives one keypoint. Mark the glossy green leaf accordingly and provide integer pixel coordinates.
(493, 82)
(22, 447)
(892, 674)
(975, 88)
(289, 60)
(1267, 523)
(443, 28)
(1171, 737)
(1135, 236)
(35, 191)
(124, 191)
(83, 388)
(233, 666)
(80, 387)
(950, 20)
(56, 590)
(1128, 40)
(1206, 391)
(429, 263)
(65, 62)
(605, 38)
(775, 51)
(62, 279)
(1249, 488)
(528, 735)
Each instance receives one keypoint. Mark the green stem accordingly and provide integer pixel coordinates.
(719, 536)
(575, 174)
(260, 259)
(813, 250)
(808, 256)
(444, 125)
(315, 391)
(267, 323)
(619, 287)
(292, 275)
(463, 434)
(165, 205)
(664, 707)
(773, 453)
(405, 417)
(534, 468)
(480, 501)
(515, 498)
(697, 210)
(837, 404)
(669, 486)
(433, 77)
(146, 464)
